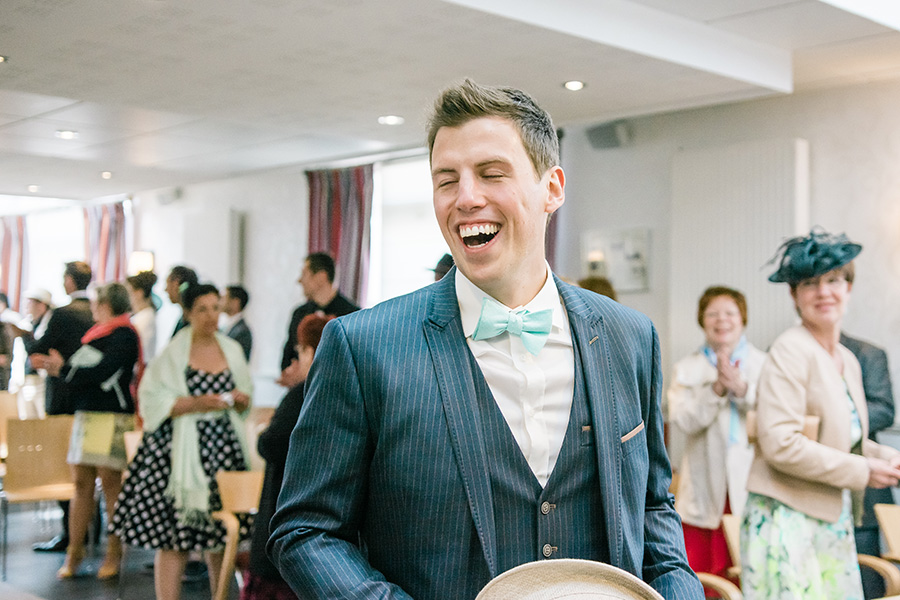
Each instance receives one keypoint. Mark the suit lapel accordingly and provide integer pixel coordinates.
(452, 365)
(589, 335)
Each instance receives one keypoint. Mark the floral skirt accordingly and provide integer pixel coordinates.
(787, 555)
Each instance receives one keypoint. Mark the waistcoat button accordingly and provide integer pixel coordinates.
(545, 508)
(547, 550)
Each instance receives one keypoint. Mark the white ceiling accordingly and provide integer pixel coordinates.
(164, 93)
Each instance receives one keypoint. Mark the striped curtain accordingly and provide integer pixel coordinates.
(340, 207)
(107, 240)
(13, 259)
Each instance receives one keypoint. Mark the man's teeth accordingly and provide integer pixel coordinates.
(470, 230)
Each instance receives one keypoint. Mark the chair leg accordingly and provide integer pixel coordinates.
(4, 508)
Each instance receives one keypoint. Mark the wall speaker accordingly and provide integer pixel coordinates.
(614, 134)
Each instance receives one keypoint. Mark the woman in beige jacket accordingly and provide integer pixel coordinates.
(711, 391)
(797, 531)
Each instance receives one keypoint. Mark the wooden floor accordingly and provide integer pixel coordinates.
(32, 575)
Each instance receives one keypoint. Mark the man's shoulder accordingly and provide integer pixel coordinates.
(396, 312)
(589, 304)
(861, 347)
(341, 305)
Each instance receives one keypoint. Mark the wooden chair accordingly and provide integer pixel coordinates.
(9, 409)
(36, 467)
(721, 586)
(888, 572)
(240, 491)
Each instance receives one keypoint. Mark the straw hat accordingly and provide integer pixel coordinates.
(567, 578)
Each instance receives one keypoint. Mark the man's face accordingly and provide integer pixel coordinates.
(36, 309)
(68, 284)
(309, 281)
(491, 207)
(230, 305)
(172, 290)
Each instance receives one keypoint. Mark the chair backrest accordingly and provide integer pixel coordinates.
(888, 516)
(731, 525)
(9, 409)
(37, 452)
(240, 490)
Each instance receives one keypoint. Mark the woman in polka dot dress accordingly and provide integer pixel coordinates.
(193, 399)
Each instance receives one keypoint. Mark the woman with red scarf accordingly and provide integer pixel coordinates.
(99, 375)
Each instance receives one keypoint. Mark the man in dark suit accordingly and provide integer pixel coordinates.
(880, 404)
(317, 281)
(496, 417)
(233, 323)
(66, 327)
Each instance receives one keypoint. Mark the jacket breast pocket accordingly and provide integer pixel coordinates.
(634, 439)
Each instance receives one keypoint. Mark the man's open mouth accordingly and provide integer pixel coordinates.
(474, 236)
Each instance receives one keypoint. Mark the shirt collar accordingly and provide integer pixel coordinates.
(470, 298)
(227, 322)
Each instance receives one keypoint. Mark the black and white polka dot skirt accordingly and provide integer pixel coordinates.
(145, 517)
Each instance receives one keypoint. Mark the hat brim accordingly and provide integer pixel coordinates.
(784, 275)
(564, 578)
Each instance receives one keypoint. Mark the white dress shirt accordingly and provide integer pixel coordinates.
(534, 393)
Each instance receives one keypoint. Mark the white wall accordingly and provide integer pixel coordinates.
(854, 138)
(194, 230)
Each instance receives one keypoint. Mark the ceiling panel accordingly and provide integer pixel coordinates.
(168, 93)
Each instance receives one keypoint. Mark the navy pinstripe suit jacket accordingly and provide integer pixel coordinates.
(387, 480)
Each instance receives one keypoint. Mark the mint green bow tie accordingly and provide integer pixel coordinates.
(532, 327)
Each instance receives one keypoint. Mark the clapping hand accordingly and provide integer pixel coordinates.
(51, 362)
(729, 376)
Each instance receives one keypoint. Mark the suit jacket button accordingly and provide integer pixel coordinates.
(547, 550)
(545, 508)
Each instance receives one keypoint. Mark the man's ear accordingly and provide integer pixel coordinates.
(556, 189)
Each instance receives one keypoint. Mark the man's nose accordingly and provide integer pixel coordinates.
(469, 193)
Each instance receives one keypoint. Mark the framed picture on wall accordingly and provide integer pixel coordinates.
(622, 256)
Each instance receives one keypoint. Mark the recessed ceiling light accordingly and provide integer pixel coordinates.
(33, 188)
(3, 58)
(66, 134)
(574, 85)
(391, 120)
(106, 174)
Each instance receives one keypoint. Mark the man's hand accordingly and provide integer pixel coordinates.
(51, 362)
(291, 376)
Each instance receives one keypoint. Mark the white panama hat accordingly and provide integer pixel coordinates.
(567, 579)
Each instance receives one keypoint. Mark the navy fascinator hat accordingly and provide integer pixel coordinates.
(812, 255)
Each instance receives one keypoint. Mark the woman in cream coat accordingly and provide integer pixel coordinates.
(806, 489)
(711, 392)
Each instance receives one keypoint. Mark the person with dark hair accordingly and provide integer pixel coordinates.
(262, 580)
(813, 455)
(65, 329)
(194, 399)
(709, 395)
(443, 266)
(496, 417)
(317, 280)
(143, 312)
(599, 285)
(99, 377)
(179, 278)
(232, 322)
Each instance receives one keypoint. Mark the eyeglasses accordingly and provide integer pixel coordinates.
(831, 281)
(728, 314)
